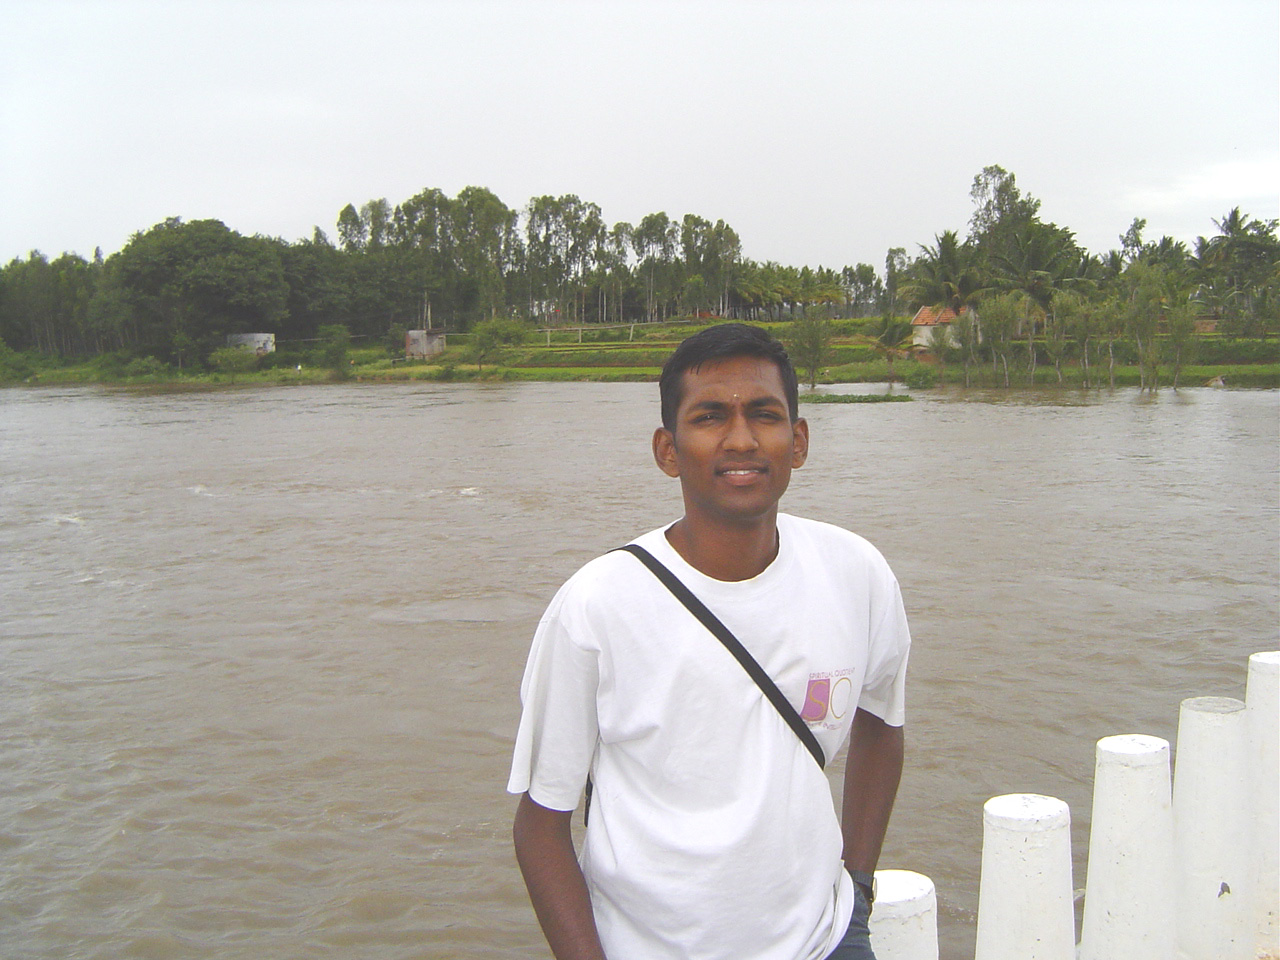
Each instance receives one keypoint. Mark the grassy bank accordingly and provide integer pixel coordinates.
(624, 354)
(917, 376)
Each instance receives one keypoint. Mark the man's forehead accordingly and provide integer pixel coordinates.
(757, 375)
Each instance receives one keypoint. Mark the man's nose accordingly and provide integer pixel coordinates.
(740, 435)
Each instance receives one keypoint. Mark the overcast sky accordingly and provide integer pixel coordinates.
(823, 132)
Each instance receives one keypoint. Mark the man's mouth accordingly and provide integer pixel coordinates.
(740, 471)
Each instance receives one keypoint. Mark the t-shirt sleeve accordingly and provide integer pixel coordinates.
(558, 727)
(884, 690)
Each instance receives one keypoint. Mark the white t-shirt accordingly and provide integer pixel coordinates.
(712, 832)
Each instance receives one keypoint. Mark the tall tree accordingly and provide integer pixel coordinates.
(319, 278)
(353, 231)
(376, 217)
(862, 288)
(483, 231)
(999, 208)
(895, 267)
(187, 285)
(654, 240)
(810, 342)
(48, 306)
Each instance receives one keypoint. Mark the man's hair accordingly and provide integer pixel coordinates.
(725, 341)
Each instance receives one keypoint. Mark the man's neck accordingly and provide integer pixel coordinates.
(728, 552)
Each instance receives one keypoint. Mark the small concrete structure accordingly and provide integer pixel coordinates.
(1129, 894)
(1262, 721)
(904, 923)
(421, 344)
(1211, 814)
(1025, 907)
(259, 343)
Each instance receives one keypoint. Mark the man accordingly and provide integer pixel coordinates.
(712, 835)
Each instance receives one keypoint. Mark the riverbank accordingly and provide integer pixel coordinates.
(916, 375)
(628, 355)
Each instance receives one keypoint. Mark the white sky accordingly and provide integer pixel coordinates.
(823, 132)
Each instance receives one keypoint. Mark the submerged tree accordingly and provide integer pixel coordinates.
(810, 342)
(1002, 316)
(966, 334)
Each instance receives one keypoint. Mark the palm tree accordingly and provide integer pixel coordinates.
(1240, 263)
(943, 276)
(1039, 260)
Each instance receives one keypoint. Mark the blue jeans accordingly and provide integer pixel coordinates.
(856, 944)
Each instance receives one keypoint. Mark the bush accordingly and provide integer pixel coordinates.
(281, 359)
(14, 365)
(335, 342)
(146, 367)
(1221, 350)
(922, 377)
(233, 360)
(490, 338)
(113, 365)
(394, 340)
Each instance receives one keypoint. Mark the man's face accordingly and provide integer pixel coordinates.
(734, 444)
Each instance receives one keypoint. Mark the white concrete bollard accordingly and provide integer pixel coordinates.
(904, 923)
(1262, 707)
(1128, 897)
(1025, 909)
(1211, 830)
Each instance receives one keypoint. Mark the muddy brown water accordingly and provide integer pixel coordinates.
(260, 650)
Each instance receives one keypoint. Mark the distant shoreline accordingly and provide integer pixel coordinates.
(1232, 376)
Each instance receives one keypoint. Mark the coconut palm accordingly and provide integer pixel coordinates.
(943, 276)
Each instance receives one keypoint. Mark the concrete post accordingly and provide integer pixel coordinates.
(1262, 700)
(1210, 816)
(1128, 899)
(1024, 900)
(904, 923)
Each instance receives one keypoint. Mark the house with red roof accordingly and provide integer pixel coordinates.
(927, 319)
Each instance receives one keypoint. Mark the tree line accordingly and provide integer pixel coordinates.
(1026, 292)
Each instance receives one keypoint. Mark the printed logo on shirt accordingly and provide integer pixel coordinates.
(828, 698)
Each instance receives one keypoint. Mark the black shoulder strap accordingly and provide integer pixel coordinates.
(740, 653)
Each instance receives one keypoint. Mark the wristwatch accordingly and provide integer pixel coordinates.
(866, 881)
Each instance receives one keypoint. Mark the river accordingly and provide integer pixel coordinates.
(260, 649)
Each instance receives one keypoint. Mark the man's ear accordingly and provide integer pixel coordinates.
(664, 452)
(800, 442)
